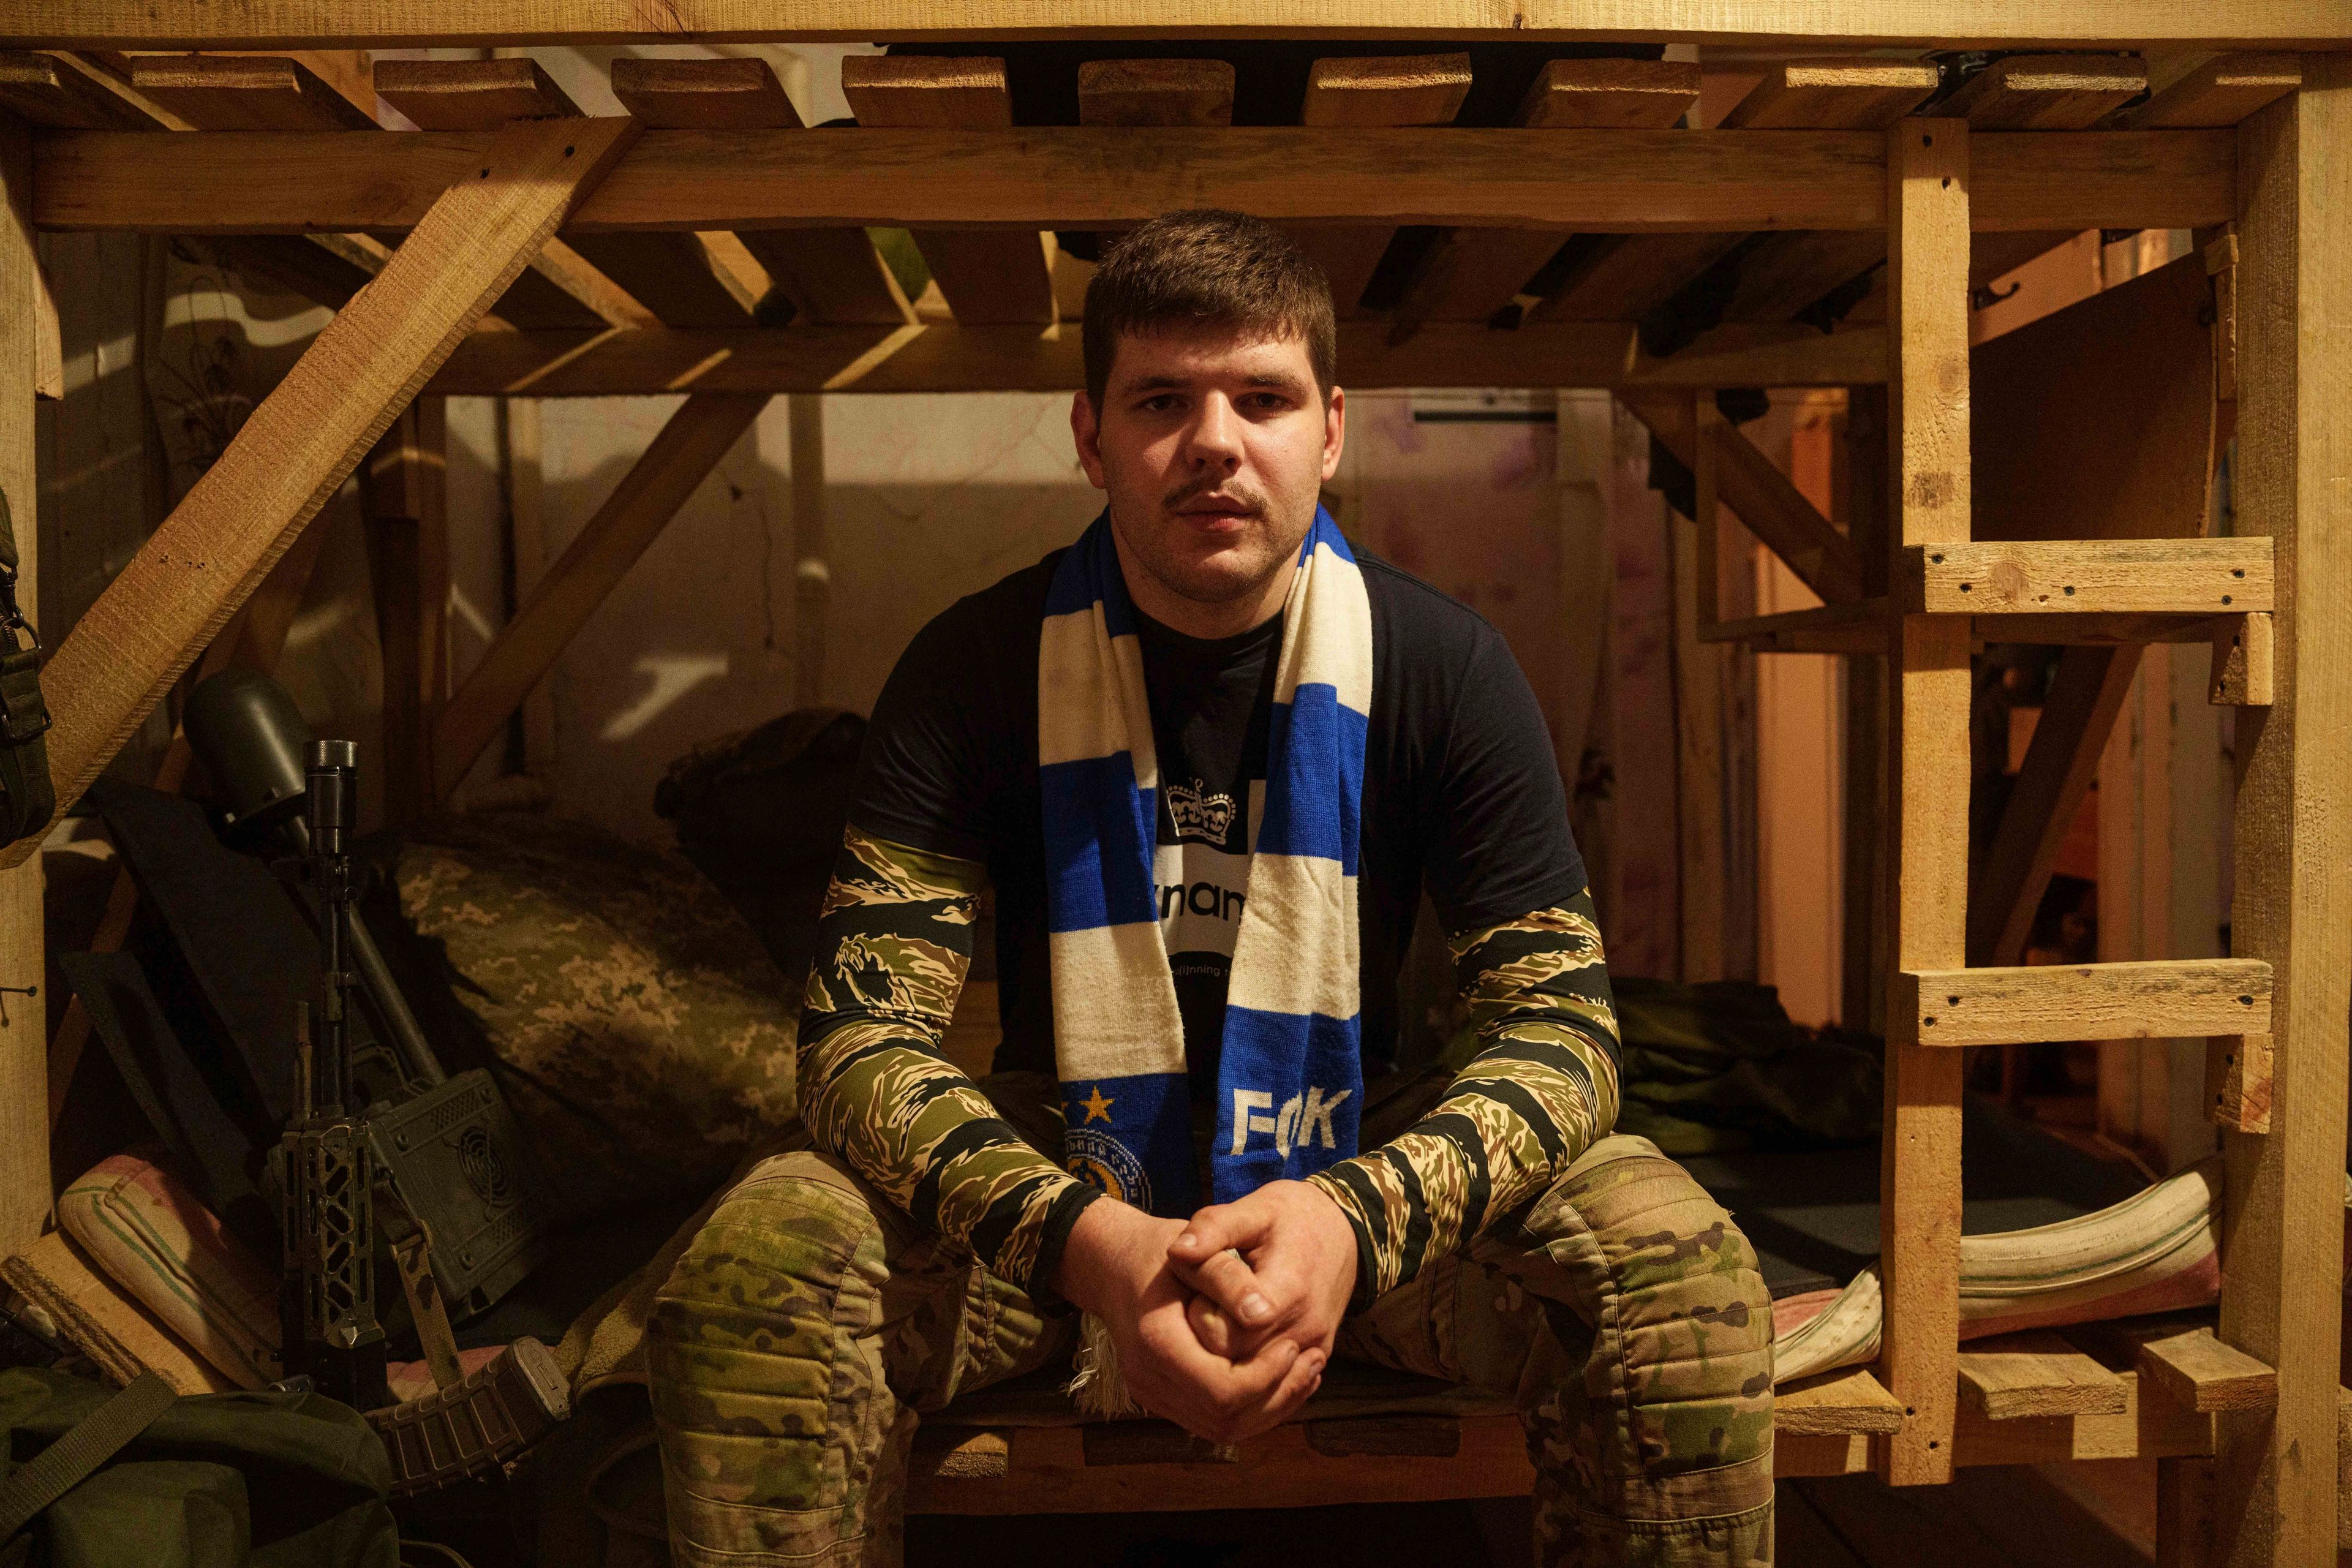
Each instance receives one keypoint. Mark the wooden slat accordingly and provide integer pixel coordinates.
(674, 275)
(2239, 1072)
(1771, 506)
(2149, 999)
(47, 90)
(1928, 173)
(679, 458)
(2088, 576)
(1840, 94)
(2147, 1428)
(987, 278)
(2062, 762)
(2281, 1297)
(1471, 273)
(1156, 92)
(831, 275)
(1368, 93)
(302, 441)
(2047, 92)
(944, 357)
(1834, 1402)
(246, 92)
(2244, 649)
(2223, 90)
(2018, 1377)
(2198, 1371)
(1108, 176)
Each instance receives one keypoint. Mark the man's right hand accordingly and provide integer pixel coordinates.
(1116, 1266)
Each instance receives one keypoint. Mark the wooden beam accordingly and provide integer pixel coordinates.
(831, 275)
(2223, 90)
(1858, 486)
(2149, 999)
(988, 279)
(2244, 648)
(2047, 92)
(2062, 762)
(246, 92)
(1701, 851)
(305, 437)
(1771, 506)
(945, 357)
(1471, 273)
(2019, 1376)
(674, 275)
(1929, 179)
(1365, 93)
(680, 457)
(1111, 176)
(2281, 1295)
(24, 1190)
(2088, 576)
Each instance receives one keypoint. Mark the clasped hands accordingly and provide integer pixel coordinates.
(1223, 1322)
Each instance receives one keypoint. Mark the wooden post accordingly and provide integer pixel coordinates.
(403, 491)
(1919, 1211)
(1863, 501)
(1699, 783)
(812, 578)
(24, 1096)
(527, 515)
(2275, 1481)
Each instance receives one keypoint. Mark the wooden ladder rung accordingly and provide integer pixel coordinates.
(2088, 576)
(2160, 999)
(2037, 1374)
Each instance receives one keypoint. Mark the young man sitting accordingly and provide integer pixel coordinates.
(1209, 757)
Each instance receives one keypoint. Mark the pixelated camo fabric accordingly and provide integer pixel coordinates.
(634, 1021)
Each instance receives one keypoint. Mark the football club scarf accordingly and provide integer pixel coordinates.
(1290, 1077)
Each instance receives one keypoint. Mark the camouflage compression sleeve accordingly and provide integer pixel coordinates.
(1541, 1088)
(894, 941)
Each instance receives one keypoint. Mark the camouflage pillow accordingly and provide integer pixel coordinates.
(636, 1026)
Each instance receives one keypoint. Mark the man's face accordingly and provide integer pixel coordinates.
(1213, 449)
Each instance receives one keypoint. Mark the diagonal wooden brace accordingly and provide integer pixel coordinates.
(306, 436)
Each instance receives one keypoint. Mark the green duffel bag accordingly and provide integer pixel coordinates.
(144, 1478)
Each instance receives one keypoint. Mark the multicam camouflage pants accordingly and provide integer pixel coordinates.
(811, 1325)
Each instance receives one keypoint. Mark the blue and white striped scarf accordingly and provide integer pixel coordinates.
(1290, 1077)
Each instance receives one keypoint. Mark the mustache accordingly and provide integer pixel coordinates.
(1242, 494)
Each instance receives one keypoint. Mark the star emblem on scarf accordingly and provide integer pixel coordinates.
(1097, 1108)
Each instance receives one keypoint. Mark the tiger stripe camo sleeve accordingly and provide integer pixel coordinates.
(1540, 1089)
(894, 942)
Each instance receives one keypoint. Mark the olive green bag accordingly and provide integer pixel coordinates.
(142, 1478)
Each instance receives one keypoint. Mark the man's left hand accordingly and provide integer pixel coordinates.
(1279, 1264)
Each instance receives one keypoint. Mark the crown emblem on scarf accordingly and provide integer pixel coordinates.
(1199, 814)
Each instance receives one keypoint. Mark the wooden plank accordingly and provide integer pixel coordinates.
(680, 457)
(1836, 94)
(2281, 1297)
(2069, 576)
(987, 278)
(1156, 92)
(49, 90)
(1472, 273)
(1928, 173)
(2062, 762)
(1771, 506)
(24, 1190)
(2016, 1377)
(2244, 649)
(1846, 1401)
(673, 275)
(2223, 90)
(1858, 499)
(1108, 176)
(246, 92)
(942, 356)
(2147, 999)
(831, 275)
(2239, 1072)
(304, 439)
(2147, 1428)
(1364, 93)
(2198, 1371)
(2047, 92)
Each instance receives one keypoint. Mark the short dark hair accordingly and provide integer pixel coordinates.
(1208, 268)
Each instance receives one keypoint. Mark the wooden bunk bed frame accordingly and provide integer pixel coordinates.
(440, 249)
